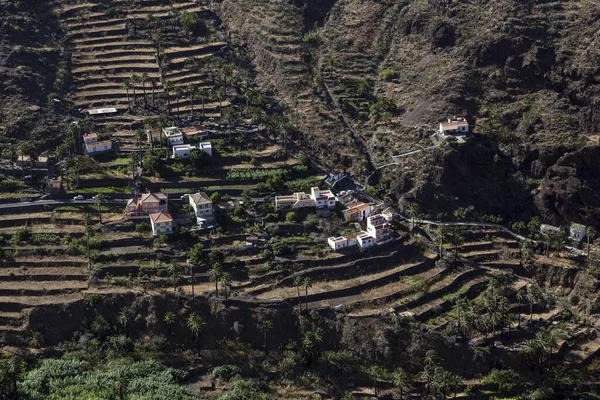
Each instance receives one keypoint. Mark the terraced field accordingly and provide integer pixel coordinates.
(120, 60)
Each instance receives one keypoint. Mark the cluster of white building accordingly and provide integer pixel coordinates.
(317, 198)
(93, 146)
(175, 138)
(577, 232)
(378, 231)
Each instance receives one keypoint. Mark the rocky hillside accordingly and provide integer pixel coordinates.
(525, 73)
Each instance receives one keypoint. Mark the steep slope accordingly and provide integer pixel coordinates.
(525, 73)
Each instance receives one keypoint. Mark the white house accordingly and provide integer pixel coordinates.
(454, 126)
(182, 150)
(322, 198)
(357, 211)
(98, 147)
(549, 229)
(203, 208)
(365, 240)
(173, 135)
(317, 198)
(577, 232)
(90, 138)
(206, 147)
(337, 243)
(335, 176)
(378, 228)
(162, 224)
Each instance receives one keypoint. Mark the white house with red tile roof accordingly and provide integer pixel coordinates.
(90, 138)
(454, 126)
(98, 147)
(162, 223)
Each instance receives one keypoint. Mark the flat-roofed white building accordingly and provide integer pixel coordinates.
(182, 151)
(337, 243)
(365, 240)
(173, 135)
(206, 147)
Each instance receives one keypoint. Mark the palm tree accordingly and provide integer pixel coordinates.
(35, 340)
(376, 373)
(202, 92)
(124, 318)
(195, 323)
(140, 136)
(135, 80)
(459, 307)
(520, 297)
(167, 89)
(169, 319)
(533, 295)
(413, 211)
(225, 284)
(153, 86)
(127, 85)
(192, 93)
(307, 283)
(13, 368)
(173, 268)
(143, 79)
(590, 232)
(401, 381)
(99, 201)
(265, 327)
(298, 282)
(215, 275)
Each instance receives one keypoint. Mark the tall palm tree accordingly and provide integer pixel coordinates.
(265, 327)
(169, 319)
(192, 93)
(99, 201)
(144, 78)
(520, 295)
(173, 268)
(307, 283)
(413, 211)
(135, 80)
(225, 284)
(202, 92)
(140, 136)
(127, 85)
(401, 381)
(215, 275)
(167, 89)
(124, 318)
(195, 323)
(298, 282)
(153, 86)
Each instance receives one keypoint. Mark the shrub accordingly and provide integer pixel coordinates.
(192, 24)
(142, 227)
(290, 217)
(388, 74)
(225, 372)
